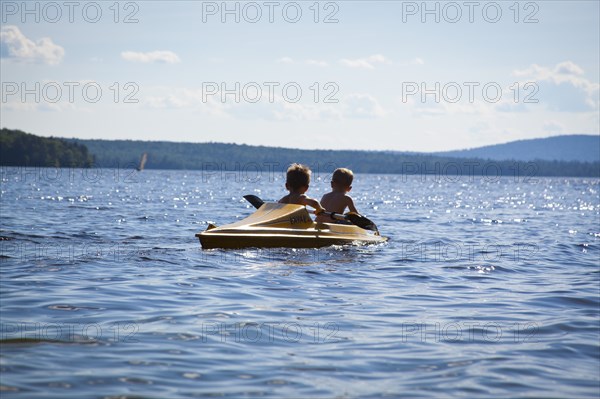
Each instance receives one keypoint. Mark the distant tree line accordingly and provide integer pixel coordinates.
(18, 148)
(235, 157)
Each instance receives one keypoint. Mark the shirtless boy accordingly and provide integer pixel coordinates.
(338, 200)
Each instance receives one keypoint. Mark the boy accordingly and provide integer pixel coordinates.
(297, 183)
(337, 201)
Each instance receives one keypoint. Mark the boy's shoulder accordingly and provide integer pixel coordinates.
(335, 194)
(285, 199)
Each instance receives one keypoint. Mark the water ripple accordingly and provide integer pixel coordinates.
(485, 289)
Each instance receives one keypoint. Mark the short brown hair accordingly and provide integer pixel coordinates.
(298, 176)
(343, 176)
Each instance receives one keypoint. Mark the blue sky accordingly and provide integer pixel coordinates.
(538, 62)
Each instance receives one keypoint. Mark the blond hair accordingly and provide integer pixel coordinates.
(343, 177)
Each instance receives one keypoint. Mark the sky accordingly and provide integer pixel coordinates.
(373, 75)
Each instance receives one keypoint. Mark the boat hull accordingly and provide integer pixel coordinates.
(288, 238)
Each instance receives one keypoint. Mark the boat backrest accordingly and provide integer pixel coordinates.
(273, 214)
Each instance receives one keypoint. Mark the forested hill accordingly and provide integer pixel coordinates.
(219, 156)
(576, 147)
(18, 148)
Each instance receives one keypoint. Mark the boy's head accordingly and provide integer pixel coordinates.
(342, 178)
(297, 177)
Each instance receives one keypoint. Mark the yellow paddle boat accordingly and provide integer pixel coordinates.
(288, 225)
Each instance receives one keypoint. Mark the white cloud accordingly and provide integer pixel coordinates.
(566, 71)
(52, 97)
(49, 107)
(553, 127)
(182, 98)
(167, 57)
(19, 106)
(317, 63)
(15, 45)
(163, 102)
(282, 110)
(365, 63)
(568, 68)
(353, 106)
(429, 106)
(414, 61)
(507, 104)
(562, 87)
(426, 108)
(362, 106)
(479, 128)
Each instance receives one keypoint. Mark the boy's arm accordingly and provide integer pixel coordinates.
(314, 204)
(350, 204)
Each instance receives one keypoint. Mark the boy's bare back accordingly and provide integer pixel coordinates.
(337, 202)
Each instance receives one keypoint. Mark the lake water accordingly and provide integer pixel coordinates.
(488, 287)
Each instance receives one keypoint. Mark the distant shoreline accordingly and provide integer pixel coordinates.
(250, 160)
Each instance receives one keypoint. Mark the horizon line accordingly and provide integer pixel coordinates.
(312, 149)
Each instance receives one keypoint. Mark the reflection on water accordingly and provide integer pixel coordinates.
(487, 287)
